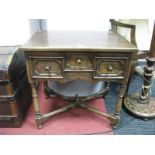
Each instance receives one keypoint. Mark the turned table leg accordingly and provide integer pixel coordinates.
(36, 106)
(118, 106)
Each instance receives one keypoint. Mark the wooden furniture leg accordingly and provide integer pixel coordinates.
(36, 106)
(118, 107)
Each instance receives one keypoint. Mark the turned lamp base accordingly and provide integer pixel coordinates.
(141, 108)
(141, 104)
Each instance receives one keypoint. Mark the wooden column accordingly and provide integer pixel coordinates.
(152, 47)
(142, 104)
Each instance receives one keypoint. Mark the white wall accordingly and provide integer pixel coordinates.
(34, 26)
(17, 31)
(79, 23)
(144, 28)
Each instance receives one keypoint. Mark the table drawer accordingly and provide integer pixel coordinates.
(107, 67)
(50, 67)
(78, 62)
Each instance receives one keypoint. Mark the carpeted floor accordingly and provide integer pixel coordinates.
(73, 122)
(130, 125)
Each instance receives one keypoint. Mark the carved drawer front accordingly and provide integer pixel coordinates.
(47, 67)
(110, 67)
(78, 62)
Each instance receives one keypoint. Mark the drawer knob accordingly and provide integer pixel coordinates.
(79, 61)
(47, 68)
(110, 67)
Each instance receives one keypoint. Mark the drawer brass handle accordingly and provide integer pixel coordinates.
(79, 61)
(47, 68)
(110, 67)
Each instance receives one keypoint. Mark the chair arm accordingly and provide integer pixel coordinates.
(115, 24)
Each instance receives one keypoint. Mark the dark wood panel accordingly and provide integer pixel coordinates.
(14, 102)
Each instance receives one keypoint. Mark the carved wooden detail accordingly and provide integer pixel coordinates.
(75, 62)
(110, 67)
(44, 67)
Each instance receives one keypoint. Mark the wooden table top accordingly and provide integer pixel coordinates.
(77, 40)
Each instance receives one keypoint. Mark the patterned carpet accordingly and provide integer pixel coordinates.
(130, 125)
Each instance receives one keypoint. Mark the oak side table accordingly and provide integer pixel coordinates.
(79, 55)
